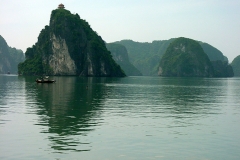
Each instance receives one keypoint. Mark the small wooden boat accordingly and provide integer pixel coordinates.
(44, 80)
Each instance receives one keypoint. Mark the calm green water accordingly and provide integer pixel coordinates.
(132, 118)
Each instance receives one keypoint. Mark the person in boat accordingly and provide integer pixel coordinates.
(44, 79)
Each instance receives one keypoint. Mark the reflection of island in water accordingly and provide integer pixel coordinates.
(70, 109)
(191, 97)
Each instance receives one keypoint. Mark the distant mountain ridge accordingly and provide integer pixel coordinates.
(146, 56)
(213, 53)
(236, 66)
(9, 57)
(120, 55)
(69, 46)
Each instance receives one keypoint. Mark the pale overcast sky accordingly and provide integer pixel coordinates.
(216, 22)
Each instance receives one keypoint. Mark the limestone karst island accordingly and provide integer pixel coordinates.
(10, 57)
(186, 58)
(69, 46)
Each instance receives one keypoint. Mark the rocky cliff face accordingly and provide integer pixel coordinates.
(60, 60)
(185, 58)
(9, 57)
(69, 46)
(120, 55)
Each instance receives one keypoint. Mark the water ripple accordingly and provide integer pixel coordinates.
(130, 118)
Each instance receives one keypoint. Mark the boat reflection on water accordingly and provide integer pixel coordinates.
(69, 110)
(124, 118)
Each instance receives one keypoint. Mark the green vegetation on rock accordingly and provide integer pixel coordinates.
(69, 46)
(146, 56)
(9, 57)
(222, 69)
(120, 55)
(213, 53)
(236, 66)
(185, 58)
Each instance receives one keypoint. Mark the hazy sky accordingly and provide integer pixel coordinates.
(216, 22)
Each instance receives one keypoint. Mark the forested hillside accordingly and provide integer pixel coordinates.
(120, 55)
(236, 66)
(9, 57)
(185, 58)
(146, 56)
(69, 46)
